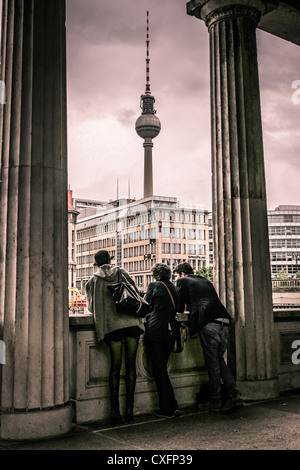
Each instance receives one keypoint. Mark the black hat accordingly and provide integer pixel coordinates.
(102, 257)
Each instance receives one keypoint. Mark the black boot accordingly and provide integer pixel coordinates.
(116, 419)
(115, 415)
(129, 412)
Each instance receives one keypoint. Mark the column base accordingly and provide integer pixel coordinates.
(36, 424)
(258, 389)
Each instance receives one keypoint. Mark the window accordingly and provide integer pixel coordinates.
(201, 234)
(139, 281)
(153, 233)
(191, 234)
(201, 249)
(165, 232)
(177, 233)
(166, 247)
(191, 249)
(176, 248)
(149, 279)
(200, 218)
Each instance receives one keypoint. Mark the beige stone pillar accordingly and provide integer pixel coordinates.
(33, 222)
(241, 243)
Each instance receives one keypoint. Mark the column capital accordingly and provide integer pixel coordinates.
(211, 11)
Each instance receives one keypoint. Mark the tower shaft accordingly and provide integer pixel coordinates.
(148, 172)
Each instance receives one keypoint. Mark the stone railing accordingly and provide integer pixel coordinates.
(286, 284)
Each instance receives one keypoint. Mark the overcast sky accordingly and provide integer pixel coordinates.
(106, 53)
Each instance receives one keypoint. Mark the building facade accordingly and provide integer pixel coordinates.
(141, 233)
(72, 222)
(284, 239)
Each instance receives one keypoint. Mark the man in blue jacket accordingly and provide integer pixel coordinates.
(209, 318)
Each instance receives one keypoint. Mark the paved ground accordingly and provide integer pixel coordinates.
(267, 425)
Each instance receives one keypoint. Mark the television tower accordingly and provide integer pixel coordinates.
(147, 125)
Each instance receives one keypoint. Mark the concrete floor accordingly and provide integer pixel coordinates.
(264, 425)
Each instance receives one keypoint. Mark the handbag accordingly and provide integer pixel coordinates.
(127, 299)
(180, 335)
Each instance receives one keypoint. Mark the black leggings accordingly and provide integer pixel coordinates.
(130, 344)
(159, 348)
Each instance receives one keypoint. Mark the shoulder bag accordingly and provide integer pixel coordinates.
(127, 299)
(180, 335)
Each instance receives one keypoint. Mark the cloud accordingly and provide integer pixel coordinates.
(106, 76)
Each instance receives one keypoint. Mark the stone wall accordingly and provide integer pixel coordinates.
(287, 331)
(90, 365)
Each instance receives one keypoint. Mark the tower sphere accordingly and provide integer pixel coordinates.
(147, 126)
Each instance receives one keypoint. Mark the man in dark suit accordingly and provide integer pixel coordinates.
(209, 318)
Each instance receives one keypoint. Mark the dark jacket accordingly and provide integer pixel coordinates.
(201, 300)
(162, 312)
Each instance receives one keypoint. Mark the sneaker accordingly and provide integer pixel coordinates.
(160, 414)
(209, 407)
(232, 404)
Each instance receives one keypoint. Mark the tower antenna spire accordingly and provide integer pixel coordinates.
(147, 92)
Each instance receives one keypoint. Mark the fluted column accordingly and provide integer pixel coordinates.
(241, 243)
(33, 226)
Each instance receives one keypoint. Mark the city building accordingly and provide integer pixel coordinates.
(284, 239)
(72, 221)
(141, 233)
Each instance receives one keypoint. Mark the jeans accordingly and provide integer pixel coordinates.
(159, 348)
(213, 338)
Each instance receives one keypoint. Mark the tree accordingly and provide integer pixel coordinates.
(206, 272)
(282, 274)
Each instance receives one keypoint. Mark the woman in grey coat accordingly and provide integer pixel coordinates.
(115, 330)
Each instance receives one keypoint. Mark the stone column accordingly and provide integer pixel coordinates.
(241, 242)
(33, 222)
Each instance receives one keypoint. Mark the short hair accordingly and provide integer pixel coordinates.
(185, 268)
(161, 271)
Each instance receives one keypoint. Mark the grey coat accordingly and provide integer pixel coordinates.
(101, 304)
